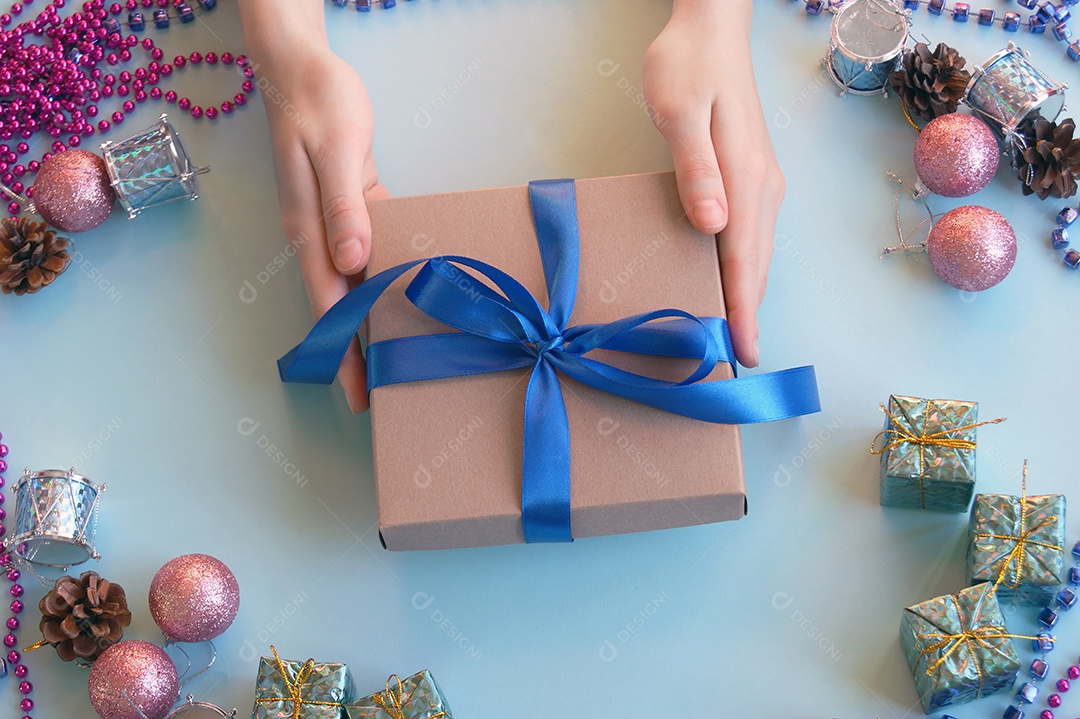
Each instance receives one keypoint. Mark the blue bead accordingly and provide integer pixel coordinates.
(1035, 25)
(161, 19)
(185, 12)
(1067, 216)
(1027, 693)
(208, 4)
(1074, 576)
(1076, 550)
(1045, 642)
(1029, 4)
(1059, 238)
(960, 12)
(1048, 618)
(1062, 14)
(1062, 32)
(1069, 3)
(363, 5)
(914, 4)
(1039, 670)
(986, 16)
(1066, 598)
(112, 25)
(814, 7)
(1013, 712)
(1045, 11)
(388, 3)
(935, 6)
(341, 3)
(136, 21)
(1072, 259)
(1010, 22)
(1073, 51)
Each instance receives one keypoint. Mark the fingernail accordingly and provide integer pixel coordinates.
(754, 353)
(709, 215)
(352, 406)
(349, 254)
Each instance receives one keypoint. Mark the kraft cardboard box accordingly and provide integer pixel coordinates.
(448, 451)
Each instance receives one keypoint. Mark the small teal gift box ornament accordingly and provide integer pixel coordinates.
(417, 697)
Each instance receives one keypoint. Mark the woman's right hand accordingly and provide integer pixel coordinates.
(321, 128)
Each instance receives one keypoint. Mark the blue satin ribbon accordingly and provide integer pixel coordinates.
(508, 329)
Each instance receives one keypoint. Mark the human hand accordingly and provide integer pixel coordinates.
(699, 77)
(321, 128)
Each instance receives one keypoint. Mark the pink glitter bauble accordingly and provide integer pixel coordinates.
(194, 598)
(133, 677)
(72, 191)
(972, 248)
(956, 155)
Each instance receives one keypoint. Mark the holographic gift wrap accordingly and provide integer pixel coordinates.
(151, 168)
(928, 453)
(300, 690)
(958, 648)
(417, 697)
(1018, 543)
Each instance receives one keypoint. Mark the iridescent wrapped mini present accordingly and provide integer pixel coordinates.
(928, 453)
(958, 648)
(1018, 543)
(417, 697)
(300, 690)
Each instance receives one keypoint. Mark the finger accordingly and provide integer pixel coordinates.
(302, 219)
(348, 229)
(697, 173)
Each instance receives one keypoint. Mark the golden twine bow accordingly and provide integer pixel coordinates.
(965, 639)
(295, 687)
(392, 703)
(1022, 539)
(904, 435)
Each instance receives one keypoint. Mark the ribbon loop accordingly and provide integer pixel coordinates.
(295, 687)
(511, 330)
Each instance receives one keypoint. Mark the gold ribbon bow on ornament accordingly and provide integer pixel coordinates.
(904, 434)
(295, 687)
(1021, 540)
(390, 700)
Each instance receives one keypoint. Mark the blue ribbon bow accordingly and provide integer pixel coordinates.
(511, 330)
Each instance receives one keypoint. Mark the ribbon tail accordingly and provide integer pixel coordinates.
(317, 358)
(545, 467)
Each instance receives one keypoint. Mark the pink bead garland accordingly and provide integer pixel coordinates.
(16, 591)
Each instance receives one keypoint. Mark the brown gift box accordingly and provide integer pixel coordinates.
(448, 451)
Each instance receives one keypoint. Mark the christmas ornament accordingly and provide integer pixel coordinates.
(1050, 160)
(73, 192)
(930, 84)
(866, 41)
(133, 680)
(1059, 238)
(31, 255)
(83, 617)
(194, 598)
(55, 518)
(971, 248)
(956, 155)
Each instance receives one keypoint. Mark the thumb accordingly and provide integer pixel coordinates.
(348, 228)
(701, 186)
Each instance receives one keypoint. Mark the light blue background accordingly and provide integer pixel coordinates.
(141, 362)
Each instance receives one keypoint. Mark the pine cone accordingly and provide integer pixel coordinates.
(31, 255)
(1050, 162)
(931, 83)
(83, 617)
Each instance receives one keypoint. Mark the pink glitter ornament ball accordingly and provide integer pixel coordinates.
(972, 248)
(132, 680)
(72, 191)
(194, 598)
(956, 155)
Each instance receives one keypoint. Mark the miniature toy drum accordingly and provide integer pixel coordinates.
(151, 168)
(867, 44)
(55, 518)
(1007, 89)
